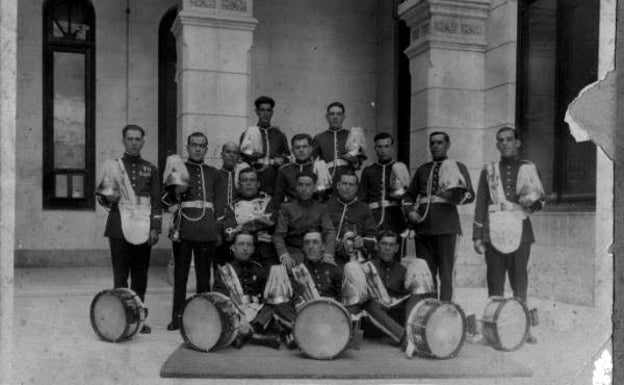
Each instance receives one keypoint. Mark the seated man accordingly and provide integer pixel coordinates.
(351, 217)
(253, 211)
(244, 280)
(296, 217)
(329, 282)
(405, 287)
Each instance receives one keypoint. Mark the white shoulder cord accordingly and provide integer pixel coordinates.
(335, 153)
(383, 194)
(429, 190)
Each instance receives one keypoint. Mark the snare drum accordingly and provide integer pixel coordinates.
(437, 329)
(209, 321)
(117, 314)
(505, 323)
(322, 329)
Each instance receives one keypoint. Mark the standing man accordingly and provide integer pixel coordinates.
(296, 217)
(378, 190)
(509, 191)
(351, 217)
(134, 222)
(286, 185)
(330, 145)
(264, 146)
(196, 214)
(431, 199)
(230, 156)
(255, 212)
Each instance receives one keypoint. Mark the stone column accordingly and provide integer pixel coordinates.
(8, 64)
(213, 42)
(447, 56)
(447, 64)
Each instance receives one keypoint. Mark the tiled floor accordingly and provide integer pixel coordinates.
(54, 342)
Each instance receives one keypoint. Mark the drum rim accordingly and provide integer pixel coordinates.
(118, 294)
(342, 309)
(502, 301)
(423, 331)
(187, 340)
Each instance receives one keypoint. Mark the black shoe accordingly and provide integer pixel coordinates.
(531, 340)
(173, 325)
(289, 341)
(146, 329)
(239, 341)
(266, 340)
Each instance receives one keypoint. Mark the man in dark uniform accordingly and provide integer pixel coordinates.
(252, 278)
(275, 150)
(140, 176)
(329, 145)
(328, 280)
(196, 214)
(296, 217)
(393, 276)
(230, 156)
(376, 188)
(286, 185)
(512, 260)
(253, 211)
(349, 215)
(431, 206)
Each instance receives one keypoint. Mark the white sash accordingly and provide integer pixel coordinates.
(505, 217)
(245, 211)
(135, 213)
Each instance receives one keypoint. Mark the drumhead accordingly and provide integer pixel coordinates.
(445, 330)
(201, 323)
(108, 316)
(511, 324)
(322, 329)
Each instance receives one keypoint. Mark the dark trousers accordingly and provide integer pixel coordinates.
(514, 264)
(398, 313)
(182, 253)
(439, 253)
(379, 317)
(284, 314)
(267, 179)
(130, 260)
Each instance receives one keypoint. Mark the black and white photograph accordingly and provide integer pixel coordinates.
(311, 192)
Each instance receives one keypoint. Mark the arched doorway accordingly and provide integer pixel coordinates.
(167, 89)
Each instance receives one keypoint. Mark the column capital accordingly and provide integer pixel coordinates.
(227, 14)
(445, 24)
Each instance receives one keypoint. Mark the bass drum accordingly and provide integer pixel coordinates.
(209, 321)
(505, 323)
(322, 329)
(437, 329)
(117, 314)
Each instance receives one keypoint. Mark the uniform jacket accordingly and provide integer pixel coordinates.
(145, 181)
(229, 184)
(251, 275)
(329, 145)
(278, 144)
(197, 224)
(357, 217)
(327, 278)
(296, 218)
(508, 169)
(286, 184)
(392, 275)
(443, 217)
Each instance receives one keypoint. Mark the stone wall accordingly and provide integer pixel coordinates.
(62, 235)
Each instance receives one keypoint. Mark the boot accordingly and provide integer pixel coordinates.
(240, 341)
(289, 341)
(269, 341)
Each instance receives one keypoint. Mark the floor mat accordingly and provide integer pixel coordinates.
(373, 360)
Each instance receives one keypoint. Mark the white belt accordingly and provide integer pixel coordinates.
(434, 199)
(196, 205)
(508, 206)
(139, 200)
(264, 237)
(337, 163)
(383, 203)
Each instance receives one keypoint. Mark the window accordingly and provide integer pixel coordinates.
(558, 56)
(68, 105)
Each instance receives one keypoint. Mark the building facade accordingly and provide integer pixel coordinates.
(87, 68)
